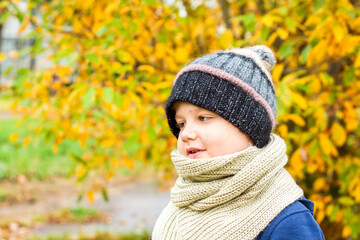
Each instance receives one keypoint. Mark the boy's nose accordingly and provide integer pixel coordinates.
(188, 134)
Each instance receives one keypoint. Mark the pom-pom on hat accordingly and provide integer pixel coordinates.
(235, 84)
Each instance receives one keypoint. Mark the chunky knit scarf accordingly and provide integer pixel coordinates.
(227, 197)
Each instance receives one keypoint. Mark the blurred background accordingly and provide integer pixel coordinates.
(84, 143)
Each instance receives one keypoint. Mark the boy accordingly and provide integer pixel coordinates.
(232, 184)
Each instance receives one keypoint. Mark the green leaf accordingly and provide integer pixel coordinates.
(265, 33)
(352, 13)
(161, 37)
(89, 98)
(314, 42)
(290, 24)
(63, 53)
(333, 213)
(4, 16)
(18, 14)
(314, 146)
(105, 194)
(349, 76)
(304, 54)
(131, 145)
(92, 57)
(108, 94)
(248, 20)
(327, 77)
(118, 99)
(152, 134)
(319, 4)
(286, 49)
(69, 61)
(346, 201)
(102, 30)
(283, 11)
(79, 198)
(150, 2)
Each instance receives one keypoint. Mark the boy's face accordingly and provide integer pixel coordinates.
(204, 134)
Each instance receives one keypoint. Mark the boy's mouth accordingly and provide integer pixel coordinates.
(194, 152)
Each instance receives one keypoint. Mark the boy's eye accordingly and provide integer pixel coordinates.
(203, 118)
(180, 125)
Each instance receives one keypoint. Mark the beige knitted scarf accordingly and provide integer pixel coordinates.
(227, 197)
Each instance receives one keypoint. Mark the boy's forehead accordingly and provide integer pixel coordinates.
(185, 105)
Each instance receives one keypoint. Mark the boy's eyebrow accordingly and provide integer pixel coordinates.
(177, 116)
(197, 111)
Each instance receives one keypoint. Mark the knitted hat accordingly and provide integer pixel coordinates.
(235, 84)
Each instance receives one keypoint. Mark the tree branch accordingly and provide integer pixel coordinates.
(225, 13)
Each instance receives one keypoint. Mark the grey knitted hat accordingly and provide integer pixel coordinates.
(235, 84)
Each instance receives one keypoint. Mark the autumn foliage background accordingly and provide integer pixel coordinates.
(112, 66)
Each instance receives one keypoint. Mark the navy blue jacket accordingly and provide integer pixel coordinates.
(295, 222)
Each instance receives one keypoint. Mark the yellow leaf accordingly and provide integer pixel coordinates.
(107, 142)
(283, 130)
(24, 25)
(296, 164)
(55, 148)
(338, 32)
(128, 162)
(37, 129)
(283, 34)
(351, 123)
(346, 232)
(315, 86)
(82, 139)
(198, 29)
(115, 65)
(13, 137)
(80, 171)
(147, 68)
(325, 144)
(90, 196)
(338, 134)
(26, 141)
(320, 215)
(150, 86)
(356, 64)
(226, 39)
(319, 184)
(162, 85)
(276, 72)
(271, 39)
(298, 100)
(295, 118)
(182, 54)
(110, 175)
(2, 57)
